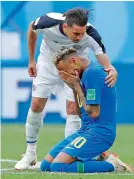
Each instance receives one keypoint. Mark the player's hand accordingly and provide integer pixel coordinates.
(71, 80)
(32, 69)
(111, 77)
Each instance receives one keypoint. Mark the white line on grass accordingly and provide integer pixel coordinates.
(36, 166)
(8, 161)
(8, 171)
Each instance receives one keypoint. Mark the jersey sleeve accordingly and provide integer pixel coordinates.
(93, 84)
(95, 41)
(46, 21)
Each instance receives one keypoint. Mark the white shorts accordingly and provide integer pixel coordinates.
(47, 81)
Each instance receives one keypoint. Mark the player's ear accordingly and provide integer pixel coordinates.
(65, 25)
(73, 60)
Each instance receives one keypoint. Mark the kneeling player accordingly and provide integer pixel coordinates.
(97, 105)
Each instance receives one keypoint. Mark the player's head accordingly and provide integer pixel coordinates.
(68, 61)
(75, 23)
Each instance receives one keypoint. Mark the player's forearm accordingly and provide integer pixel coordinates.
(92, 110)
(112, 72)
(32, 37)
(82, 98)
(113, 68)
(103, 60)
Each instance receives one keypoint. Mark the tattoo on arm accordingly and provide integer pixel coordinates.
(92, 110)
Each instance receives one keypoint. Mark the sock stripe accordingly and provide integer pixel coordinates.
(80, 167)
(32, 141)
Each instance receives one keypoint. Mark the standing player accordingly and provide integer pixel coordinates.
(97, 105)
(68, 30)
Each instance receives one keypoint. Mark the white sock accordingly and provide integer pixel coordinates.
(73, 124)
(33, 125)
(31, 148)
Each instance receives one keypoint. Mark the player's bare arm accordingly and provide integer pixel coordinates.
(112, 73)
(74, 82)
(32, 37)
(92, 110)
(98, 47)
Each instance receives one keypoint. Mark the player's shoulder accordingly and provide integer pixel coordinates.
(94, 70)
(94, 36)
(48, 20)
(56, 15)
(91, 30)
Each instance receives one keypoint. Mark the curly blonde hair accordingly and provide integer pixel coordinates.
(62, 54)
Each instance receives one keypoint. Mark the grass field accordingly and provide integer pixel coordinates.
(13, 145)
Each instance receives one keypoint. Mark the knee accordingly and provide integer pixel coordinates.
(71, 108)
(57, 167)
(73, 124)
(45, 166)
(36, 105)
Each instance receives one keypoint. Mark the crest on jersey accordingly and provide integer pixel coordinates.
(91, 95)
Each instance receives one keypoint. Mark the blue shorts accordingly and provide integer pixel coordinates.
(82, 146)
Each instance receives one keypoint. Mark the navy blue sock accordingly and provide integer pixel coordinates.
(45, 165)
(83, 167)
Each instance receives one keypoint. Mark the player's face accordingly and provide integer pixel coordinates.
(75, 33)
(70, 66)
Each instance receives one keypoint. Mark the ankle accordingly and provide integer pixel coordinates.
(31, 148)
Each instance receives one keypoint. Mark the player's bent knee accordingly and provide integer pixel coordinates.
(45, 166)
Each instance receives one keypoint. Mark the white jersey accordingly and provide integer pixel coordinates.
(54, 38)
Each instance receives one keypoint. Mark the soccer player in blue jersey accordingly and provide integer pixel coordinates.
(97, 104)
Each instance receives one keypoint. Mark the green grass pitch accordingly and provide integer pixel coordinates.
(13, 145)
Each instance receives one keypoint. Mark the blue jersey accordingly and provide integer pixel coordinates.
(98, 93)
(96, 135)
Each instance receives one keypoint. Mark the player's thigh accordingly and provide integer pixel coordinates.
(40, 93)
(46, 80)
(69, 93)
(86, 147)
(70, 101)
(59, 146)
(64, 158)
(47, 70)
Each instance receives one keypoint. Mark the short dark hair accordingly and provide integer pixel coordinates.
(77, 16)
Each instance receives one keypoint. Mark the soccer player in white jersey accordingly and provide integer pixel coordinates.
(59, 30)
